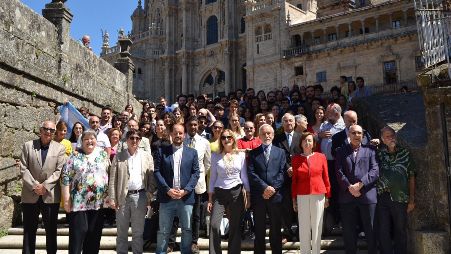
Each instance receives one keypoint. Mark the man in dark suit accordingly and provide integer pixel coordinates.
(176, 174)
(288, 141)
(357, 171)
(267, 171)
(40, 167)
(341, 138)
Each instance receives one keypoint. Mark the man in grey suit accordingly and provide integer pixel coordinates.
(288, 140)
(130, 187)
(40, 168)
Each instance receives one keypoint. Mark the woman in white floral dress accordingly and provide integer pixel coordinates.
(84, 184)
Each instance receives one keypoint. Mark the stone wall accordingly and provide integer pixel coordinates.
(418, 125)
(40, 68)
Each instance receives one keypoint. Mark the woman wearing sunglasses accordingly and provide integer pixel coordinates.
(225, 192)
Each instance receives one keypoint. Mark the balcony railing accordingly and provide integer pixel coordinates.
(152, 32)
(111, 51)
(259, 5)
(349, 41)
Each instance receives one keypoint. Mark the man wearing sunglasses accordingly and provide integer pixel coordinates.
(130, 186)
(40, 164)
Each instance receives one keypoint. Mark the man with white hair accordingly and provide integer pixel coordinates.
(266, 170)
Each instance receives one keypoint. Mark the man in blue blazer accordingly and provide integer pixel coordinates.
(357, 171)
(267, 171)
(176, 174)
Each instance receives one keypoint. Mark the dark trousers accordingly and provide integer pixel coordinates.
(85, 231)
(350, 218)
(391, 213)
(334, 207)
(30, 225)
(274, 211)
(230, 200)
(288, 213)
(195, 219)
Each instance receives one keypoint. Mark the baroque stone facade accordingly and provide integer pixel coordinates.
(217, 46)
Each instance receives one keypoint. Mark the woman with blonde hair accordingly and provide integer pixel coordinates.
(225, 192)
(234, 123)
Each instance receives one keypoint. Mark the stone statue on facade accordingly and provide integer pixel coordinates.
(105, 38)
(121, 34)
(59, 1)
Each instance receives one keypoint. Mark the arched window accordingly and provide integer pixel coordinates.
(258, 31)
(296, 40)
(212, 30)
(243, 25)
(267, 29)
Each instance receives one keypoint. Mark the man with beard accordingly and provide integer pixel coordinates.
(176, 174)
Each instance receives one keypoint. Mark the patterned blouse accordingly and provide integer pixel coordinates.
(395, 169)
(87, 178)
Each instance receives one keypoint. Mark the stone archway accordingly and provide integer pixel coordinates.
(213, 83)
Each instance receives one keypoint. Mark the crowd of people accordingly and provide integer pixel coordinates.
(261, 160)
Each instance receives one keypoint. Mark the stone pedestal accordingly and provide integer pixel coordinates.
(427, 242)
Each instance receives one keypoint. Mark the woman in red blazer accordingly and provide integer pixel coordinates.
(310, 187)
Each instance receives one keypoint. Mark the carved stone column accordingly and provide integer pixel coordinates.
(58, 13)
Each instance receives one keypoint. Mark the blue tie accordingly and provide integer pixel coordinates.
(266, 152)
(289, 139)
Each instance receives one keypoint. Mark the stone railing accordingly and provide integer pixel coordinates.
(112, 50)
(261, 5)
(350, 41)
(149, 33)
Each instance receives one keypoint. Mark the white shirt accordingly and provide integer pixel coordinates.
(177, 157)
(326, 143)
(135, 181)
(203, 149)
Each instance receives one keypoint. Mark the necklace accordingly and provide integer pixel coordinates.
(228, 164)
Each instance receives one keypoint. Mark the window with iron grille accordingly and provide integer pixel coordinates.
(332, 37)
(299, 70)
(390, 72)
(396, 24)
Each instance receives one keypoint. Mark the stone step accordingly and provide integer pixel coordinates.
(109, 243)
(17, 251)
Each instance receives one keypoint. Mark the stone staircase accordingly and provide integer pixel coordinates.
(12, 243)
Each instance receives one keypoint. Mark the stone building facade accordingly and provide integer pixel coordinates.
(217, 46)
(41, 67)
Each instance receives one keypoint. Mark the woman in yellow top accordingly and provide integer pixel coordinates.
(217, 128)
(60, 134)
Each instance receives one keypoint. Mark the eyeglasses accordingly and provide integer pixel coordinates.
(226, 137)
(217, 127)
(134, 138)
(51, 130)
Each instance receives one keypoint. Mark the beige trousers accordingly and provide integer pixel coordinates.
(310, 215)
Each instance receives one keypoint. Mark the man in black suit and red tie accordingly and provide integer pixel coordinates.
(267, 170)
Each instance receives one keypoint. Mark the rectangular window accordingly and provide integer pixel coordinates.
(419, 64)
(321, 77)
(299, 70)
(362, 3)
(347, 34)
(390, 72)
(332, 37)
(348, 78)
(396, 24)
(299, 6)
(258, 49)
(317, 40)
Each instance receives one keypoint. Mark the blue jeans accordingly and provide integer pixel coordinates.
(166, 216)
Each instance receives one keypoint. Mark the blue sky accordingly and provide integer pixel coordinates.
(92, 15)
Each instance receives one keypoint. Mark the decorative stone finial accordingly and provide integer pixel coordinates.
(139, 4)
(59, 1)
